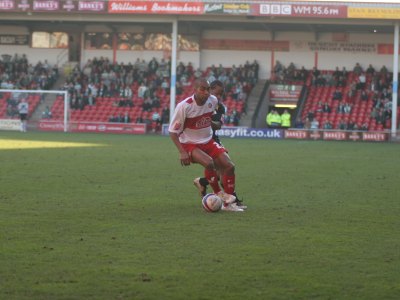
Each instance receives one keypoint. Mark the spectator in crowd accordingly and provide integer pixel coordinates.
(374, 113)
(127, 94)
(327, 125)
(341, 82)
(165, 115)
(311, 115)
(386, 93)
(103, 90)
(340, 108)
(139, 120)
(370, 70)
(147, 104)
(337, 95)
(307, 123)
(7, 85)
(237, 90)
(178, 88)
(315, 73)
(90, 97)
(319, 107)
(314, 124)
(362, 79)
(344, 72)
(326, 108)
(291, 68)
(278, 68)
(12, 109)
(337, 73)
(329, 79)
(12, 106)
(46, 114)
(211, 75)
(347, 108)
(165, 85)
(380, 118)
(342, 125)
(352, 125)
(156, 103)
(364, 95)
(357, 70)
(153, 66)
(383, 70)
(303, 74)
(299, 123)
(142, 91)
(352, 91)
(126, 118)
(235, 117)
(255, 68)
(198, 73)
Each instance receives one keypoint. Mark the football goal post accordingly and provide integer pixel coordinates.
(44, 107)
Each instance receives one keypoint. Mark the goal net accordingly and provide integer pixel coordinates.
(45, 110)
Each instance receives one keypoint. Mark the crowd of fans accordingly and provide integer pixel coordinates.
(147, 84)
(350, 88)
(238, 82)
(139, 84)
(17, 73)
(288, 75)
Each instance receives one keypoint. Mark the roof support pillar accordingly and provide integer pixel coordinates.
(173, 67)
(395, 78)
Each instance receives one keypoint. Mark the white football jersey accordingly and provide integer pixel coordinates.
(193, 122)
(23, 107)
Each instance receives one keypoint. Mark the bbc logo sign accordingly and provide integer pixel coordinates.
(275, 9)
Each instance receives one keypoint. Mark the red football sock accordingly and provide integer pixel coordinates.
(229, 184)
(212, 178)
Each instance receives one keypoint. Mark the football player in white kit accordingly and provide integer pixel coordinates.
(218, 90)
(190, 131)
(23, 109)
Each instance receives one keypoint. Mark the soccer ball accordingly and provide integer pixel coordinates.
(211, 203)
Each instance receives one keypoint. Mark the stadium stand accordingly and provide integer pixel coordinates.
(134, 92)
(17, 73)
(360, 98)
(149, 91)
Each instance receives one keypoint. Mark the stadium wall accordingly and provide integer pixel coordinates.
(35, 55)
(348, 59)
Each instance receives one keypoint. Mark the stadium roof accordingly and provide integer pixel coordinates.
(313, 16)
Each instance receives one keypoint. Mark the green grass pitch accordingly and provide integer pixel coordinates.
(90, 216)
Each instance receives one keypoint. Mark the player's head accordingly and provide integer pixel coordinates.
(217, 89)
(201, 91)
